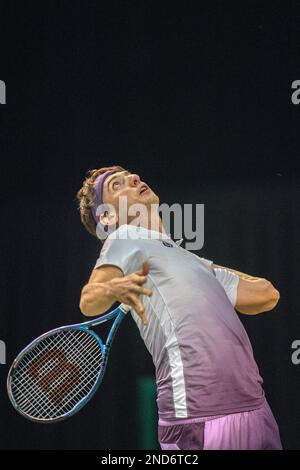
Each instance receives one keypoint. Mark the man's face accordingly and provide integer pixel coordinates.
(128, 185)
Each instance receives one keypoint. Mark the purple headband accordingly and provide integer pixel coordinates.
(98, 185)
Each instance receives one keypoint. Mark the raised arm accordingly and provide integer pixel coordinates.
(254, 294)
(107, 285)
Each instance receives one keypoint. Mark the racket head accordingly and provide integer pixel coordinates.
(57, 374)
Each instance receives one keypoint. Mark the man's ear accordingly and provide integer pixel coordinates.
(108, 218)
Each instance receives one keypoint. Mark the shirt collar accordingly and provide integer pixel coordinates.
(139, 232)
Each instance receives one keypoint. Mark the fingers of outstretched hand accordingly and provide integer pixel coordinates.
(137, 304)
(144, 269)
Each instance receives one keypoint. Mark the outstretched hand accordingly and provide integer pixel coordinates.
(128, 290)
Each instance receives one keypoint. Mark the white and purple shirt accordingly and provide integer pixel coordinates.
(203, 357)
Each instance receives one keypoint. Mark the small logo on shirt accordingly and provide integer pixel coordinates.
(169, 245)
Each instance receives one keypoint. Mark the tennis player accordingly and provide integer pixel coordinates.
(209, 390)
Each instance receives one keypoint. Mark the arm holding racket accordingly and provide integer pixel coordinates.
(108, 285)
(55, 375)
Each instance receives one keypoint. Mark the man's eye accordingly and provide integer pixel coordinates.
(116, 184)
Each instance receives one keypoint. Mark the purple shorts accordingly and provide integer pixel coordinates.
(250, 430)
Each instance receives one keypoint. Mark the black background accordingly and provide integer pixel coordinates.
(194, 97)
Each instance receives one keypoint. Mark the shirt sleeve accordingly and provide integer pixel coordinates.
(229, 281)
(207, 262)
(125, 254)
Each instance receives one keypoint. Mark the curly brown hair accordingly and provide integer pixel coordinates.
(86, 197)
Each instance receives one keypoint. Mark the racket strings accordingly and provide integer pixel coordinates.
(55, 396)
(22, 367)
(39, 396)
(57, 373)
(30, 357)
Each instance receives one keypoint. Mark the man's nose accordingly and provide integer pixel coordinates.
(134, 179)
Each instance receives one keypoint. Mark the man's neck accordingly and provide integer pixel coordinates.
(151, 222)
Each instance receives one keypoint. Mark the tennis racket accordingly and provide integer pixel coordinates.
(59, 372)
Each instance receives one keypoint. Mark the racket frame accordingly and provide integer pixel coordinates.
(118, 313)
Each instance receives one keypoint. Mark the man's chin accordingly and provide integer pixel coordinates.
(149, 199)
